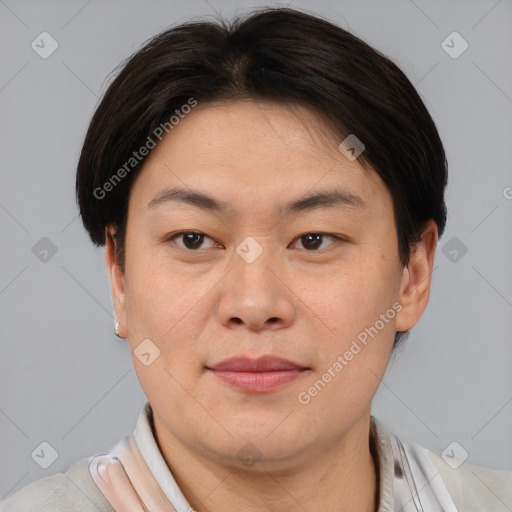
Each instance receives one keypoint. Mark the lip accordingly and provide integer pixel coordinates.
(257, 375)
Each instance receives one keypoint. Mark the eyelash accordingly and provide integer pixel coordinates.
(322, 234)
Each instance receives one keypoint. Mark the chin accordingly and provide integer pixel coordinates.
(257, 454)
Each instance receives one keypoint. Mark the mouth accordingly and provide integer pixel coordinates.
(260, 375)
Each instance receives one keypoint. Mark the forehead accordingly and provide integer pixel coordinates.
(254, 153)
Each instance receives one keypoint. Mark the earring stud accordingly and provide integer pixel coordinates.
(116, 330)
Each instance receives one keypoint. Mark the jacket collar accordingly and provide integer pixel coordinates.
(134, 476)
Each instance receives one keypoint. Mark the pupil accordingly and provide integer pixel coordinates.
(315, 243)
(189, 239)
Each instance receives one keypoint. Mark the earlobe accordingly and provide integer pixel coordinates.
(416, 279)
(116, 282)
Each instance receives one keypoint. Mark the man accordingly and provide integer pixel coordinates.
(270, 194)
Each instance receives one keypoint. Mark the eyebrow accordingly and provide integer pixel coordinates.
(324, 199)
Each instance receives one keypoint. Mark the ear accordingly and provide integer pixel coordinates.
(416, 279)
(116, 281)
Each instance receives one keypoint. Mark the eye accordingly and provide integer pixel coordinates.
(313, 241)
(192, 240)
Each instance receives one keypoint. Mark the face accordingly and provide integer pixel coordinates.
(262, 266)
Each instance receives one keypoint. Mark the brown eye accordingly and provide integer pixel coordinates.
(191, 240)
(313, 241)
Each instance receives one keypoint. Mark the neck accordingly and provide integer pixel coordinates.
(342, 476)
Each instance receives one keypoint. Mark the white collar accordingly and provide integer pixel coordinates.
(143, 434)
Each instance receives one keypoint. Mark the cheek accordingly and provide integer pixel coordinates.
(356, 348)
(353, 354)
(351, 298)
(165, 313)
(166, 307)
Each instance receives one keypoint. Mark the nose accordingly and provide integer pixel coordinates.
(256, 296)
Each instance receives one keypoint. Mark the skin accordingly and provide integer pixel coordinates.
(202, 305)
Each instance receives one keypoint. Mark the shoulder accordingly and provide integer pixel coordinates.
(72, 490)
(474, 488)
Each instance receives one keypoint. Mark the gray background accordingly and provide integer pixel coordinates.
(65, 378)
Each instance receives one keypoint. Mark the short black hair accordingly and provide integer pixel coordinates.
(276, 54)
